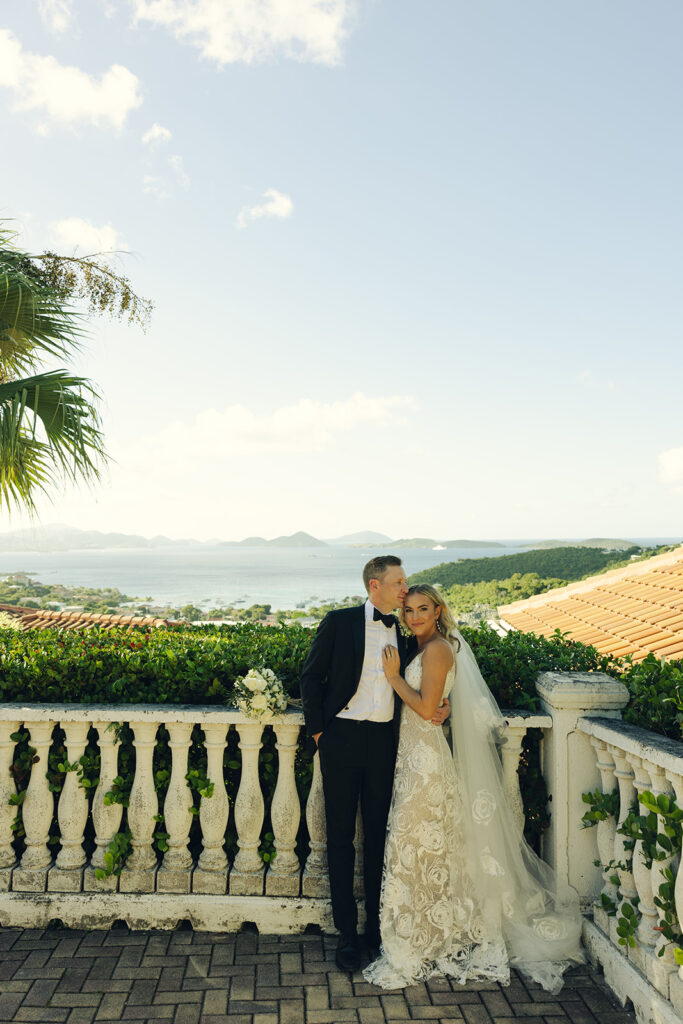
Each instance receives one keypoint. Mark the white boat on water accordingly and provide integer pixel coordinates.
(439, 547)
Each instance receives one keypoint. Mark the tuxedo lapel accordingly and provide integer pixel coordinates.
(358, 633)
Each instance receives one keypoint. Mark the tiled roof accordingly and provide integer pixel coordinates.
(635, 610)
(40, 618)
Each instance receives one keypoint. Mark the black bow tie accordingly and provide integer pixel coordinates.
(388, 620)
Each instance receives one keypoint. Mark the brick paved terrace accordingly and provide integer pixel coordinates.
(77, 977)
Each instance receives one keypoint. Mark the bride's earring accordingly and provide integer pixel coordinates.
(438, 624)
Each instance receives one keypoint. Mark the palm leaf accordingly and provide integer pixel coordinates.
(49, 430)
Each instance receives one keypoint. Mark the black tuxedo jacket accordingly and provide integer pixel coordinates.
(334, 664)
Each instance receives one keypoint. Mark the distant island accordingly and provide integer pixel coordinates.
(58, 537)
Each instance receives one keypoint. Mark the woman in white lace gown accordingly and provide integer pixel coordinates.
(463, 894)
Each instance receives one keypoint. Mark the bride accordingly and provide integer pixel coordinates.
(462, 893)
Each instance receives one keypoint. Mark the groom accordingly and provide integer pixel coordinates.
(353, 715)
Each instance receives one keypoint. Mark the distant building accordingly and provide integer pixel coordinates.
(637, 610)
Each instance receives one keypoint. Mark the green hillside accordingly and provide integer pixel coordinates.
(569, 563)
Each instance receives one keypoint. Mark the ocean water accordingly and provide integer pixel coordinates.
(219, 576)
(216, 577)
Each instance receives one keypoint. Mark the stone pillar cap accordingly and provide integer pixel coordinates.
(581, 691)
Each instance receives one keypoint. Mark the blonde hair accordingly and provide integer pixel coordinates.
(445, 622)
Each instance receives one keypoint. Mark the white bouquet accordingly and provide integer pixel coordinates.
(259, 694)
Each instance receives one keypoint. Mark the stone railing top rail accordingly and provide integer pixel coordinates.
(192, 713)
(657, 750)
(136, 713)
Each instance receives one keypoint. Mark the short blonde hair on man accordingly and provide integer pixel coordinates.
(376, 568)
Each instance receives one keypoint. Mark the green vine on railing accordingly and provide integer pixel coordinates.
(657, 844)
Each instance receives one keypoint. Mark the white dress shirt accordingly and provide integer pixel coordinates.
(373, 701)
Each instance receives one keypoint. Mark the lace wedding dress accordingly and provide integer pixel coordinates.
(462, 893)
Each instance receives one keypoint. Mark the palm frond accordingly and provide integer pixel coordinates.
(49, 430)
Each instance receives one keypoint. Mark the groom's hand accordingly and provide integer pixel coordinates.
(442, 712)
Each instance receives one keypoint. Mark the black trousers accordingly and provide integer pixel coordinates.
(357, 762)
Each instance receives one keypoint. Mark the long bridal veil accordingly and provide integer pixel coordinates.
(519, 895)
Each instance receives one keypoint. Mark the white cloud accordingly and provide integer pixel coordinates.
(182, 177)
(592, 383)
(226, 31)
(671, 468)
(161, 185)
(65, 95)
(277, 205)
(56, 15)
(156, 134)
(74, 233)
(308, 426)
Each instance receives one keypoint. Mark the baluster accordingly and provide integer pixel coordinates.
(624, 776)
(642, 875)
(106, 818)
(607, 829)
(175, 874)
(8, 811)
(246, 877)
(677, 783)
(38, 809)
(72, 813)
(661, 967)
(139, 873)
(211, 873)
(282, 878)
(315, 880)
(511, 751)
(358, 882)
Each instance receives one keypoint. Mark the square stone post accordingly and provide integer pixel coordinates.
(570, 769)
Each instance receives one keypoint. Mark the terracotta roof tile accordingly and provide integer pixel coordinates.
(634, 610)
(43, 618)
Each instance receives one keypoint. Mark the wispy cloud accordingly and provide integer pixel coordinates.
(307, 426)
(155, 135)
(592, 383)
(56, 15)
(172, 175)
(64, 95)
(226, 31)
(277, 204)
(75, 233)
(671, 468)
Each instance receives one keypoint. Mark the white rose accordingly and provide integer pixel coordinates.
(259, 702)
(483, 807)
(407, 855)
(254, 681)
(423, 759)
(489, 864)
(437, 876)
(550, 928)
(508, 905)
(430, 836)
(441, 914)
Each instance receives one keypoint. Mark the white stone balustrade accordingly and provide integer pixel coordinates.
(158, 889)
(643, 762)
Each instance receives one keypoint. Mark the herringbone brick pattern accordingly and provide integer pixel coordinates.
(63, 976)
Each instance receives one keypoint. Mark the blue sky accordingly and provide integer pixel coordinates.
(416, 267)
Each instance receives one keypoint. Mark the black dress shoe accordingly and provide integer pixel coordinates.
(347, 956)
(373, 941)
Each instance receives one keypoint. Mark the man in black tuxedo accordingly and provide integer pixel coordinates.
(353, 716)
